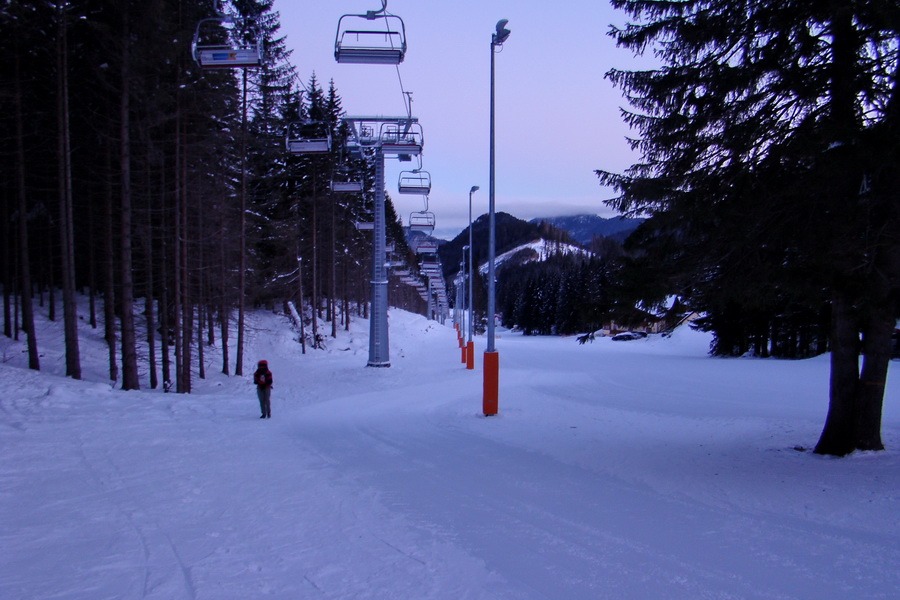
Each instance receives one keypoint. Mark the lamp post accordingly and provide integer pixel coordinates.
(470, 345)
(461, 297)
(491, 357)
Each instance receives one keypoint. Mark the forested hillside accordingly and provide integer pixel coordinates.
(132, 173)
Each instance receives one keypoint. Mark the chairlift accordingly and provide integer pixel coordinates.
(218, 47)
(431, 268)
(343, 181)
(414, 182)
(402, 138)
(308, 137)
(427, 247)
(422, 221)
(375, 38)
(365, 225)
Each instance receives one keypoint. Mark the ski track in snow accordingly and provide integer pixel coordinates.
(641, 469)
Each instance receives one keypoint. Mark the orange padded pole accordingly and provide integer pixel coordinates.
(491, 383)
(470, 356)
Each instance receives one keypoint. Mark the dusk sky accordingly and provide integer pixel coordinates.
(557, 118)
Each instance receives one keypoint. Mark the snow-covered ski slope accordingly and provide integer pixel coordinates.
(641, 469)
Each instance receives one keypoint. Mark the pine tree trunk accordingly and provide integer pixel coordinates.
(66, 217)
(872, 379)
(242, 276)
(314, 301)
(24, 263)
(109, 276)
(187, 301)
(838, 435)
(201, 367)
(332, 300)
(177, 307)
(5, 266)
(130, 379)
(224, 310)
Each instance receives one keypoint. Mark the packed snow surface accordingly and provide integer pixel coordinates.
(640, 469)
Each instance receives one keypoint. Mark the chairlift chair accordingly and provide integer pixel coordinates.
(342, 181)
(375, 38)
(414, 182)
(308, 137)
(213, 50)
(421, 221)
(402, 139)
(427, 247)
(431, 267)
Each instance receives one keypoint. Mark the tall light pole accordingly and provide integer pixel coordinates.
(470, 345)
(461, 298)
(490, 399)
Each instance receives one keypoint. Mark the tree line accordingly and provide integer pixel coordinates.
(769, 138)
(132, 175)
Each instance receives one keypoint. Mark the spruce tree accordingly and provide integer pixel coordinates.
(769, 142)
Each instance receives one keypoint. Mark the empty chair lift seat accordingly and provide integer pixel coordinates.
(375, 39)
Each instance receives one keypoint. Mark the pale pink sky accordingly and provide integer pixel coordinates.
(557, 117)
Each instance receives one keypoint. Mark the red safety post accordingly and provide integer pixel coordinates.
(491, 397)
(470, 356)
(463, 353)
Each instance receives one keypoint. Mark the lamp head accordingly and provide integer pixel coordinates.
(474, 189)
(502, 32)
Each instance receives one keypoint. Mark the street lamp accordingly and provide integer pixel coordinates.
(470, 345)
(461, 297)
(491, 357)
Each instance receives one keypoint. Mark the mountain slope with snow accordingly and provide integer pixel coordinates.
(642, 469)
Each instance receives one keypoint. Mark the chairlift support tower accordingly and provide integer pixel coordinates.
(371, 133)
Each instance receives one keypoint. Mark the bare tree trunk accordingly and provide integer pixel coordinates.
(872, 378)
(8, 252)
(66, 218)
(201, 367)
(149, 313)
(224, 308)
(109, 283)
(177, 294)
(838, 436)
(163, 307)
(315, 262)
(187, 306)
(23, 263)
(242, 276)
(130, 379)
(332, 302)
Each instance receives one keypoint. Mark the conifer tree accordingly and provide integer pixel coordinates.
(758, 130)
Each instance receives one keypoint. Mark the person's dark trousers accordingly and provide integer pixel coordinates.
(265, 405)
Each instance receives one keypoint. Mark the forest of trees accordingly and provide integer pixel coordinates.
(770, 167)
(131, 175)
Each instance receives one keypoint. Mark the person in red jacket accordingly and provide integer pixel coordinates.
(263, 380)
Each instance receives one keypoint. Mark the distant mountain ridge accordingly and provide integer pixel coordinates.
(583, 228)
(511, 233)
